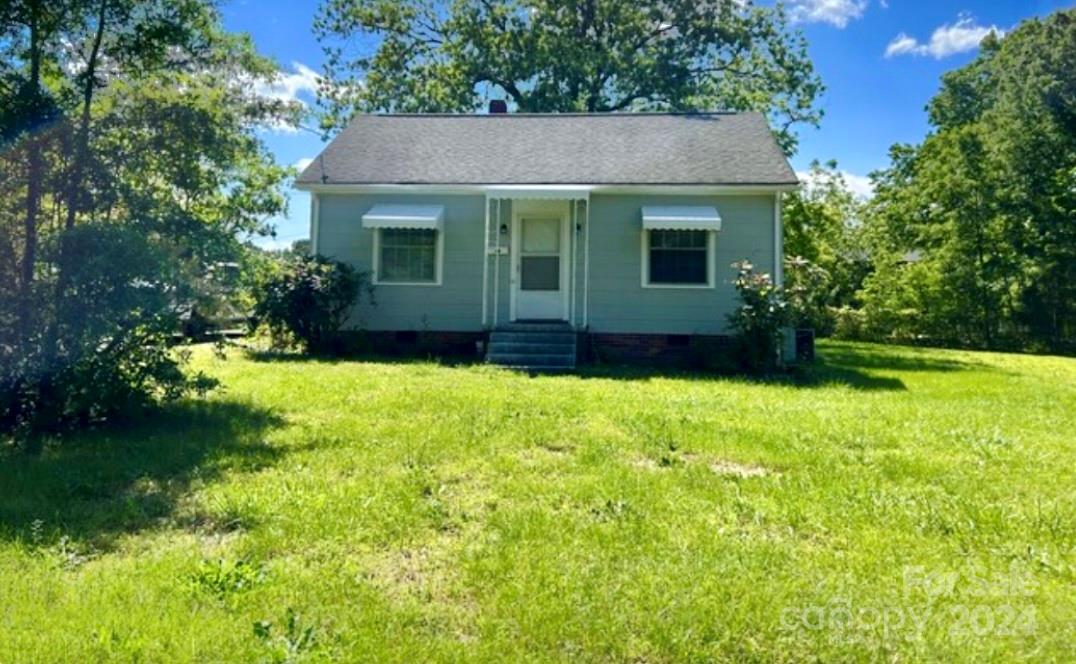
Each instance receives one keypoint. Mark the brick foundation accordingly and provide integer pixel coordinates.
(683, 350)
(462, 345)
(654, 349)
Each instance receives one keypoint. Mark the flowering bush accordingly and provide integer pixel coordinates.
(758, 320)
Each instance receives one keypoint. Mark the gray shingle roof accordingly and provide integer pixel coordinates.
(623, 148)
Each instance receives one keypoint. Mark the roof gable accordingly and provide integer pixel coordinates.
(609, 149)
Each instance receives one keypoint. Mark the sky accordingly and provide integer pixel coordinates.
(880, 60)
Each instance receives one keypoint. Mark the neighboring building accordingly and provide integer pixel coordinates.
(619, 229)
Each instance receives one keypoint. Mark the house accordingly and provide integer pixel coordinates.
(536, 231)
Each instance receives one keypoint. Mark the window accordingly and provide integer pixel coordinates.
(676, 258)
(408, 256)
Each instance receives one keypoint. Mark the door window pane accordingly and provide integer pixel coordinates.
(540, 273)
(408, 255)
(541, 236)
(678, 257)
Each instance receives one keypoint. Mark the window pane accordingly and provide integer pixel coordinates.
(408, 254)
(541, 235)
(539, 273)
(678, 239)
(678, 257)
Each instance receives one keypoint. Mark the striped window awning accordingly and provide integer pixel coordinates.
(405, 216)
(681, 218)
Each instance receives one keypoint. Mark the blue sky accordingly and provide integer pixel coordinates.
(880, 60)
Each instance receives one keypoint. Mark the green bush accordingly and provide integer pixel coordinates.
(849, 323)
(306, 300)
(759, 319)
(100, 346)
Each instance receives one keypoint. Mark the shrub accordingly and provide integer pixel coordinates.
(307, 299)
(849, 323)
(101, 341)
(759, 318)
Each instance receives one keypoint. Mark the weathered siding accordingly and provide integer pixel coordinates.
(618, 301)
(455, 305)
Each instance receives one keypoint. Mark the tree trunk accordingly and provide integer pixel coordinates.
(82, 139)
(33, 183)
(75, 188)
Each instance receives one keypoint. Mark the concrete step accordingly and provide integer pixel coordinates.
(533, 346)
(534, 327)
(524, 348)
(498, 336)
(533, 361)
(536, 370)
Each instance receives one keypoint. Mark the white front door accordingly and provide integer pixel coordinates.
(540, 274)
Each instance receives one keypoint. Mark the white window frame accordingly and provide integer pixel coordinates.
(439, 261)
(711, 252)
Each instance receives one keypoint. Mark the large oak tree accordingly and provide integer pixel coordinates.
(565, 55)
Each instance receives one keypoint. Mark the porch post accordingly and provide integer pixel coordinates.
(497, 266)
(778, 243)
(315, 223)
(573, 220)
(485, 267)
(586, 265)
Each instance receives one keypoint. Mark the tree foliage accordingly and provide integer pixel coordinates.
(823, 240)
(566, 55)
(129, 167)
(972, 232)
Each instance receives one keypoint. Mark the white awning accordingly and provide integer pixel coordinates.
(681, 218)
(405, 216)
(548, 192)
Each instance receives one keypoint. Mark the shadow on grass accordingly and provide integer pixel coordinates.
(268, 356)
(890, 358)
(814, 376)
(126, 478)
(853, 365)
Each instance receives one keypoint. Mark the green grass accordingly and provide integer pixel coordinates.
(404, 511)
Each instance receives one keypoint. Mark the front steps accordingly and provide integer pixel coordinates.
(533, 346)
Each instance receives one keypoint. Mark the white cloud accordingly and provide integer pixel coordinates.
(900, 45)
(859, 185)
(834, 12)
(303, 163)
(962, 36)
(296, 88)
(289, 86)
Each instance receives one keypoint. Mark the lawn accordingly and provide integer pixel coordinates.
(892, 504)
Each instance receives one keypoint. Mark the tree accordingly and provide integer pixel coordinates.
(823, 242)
(566, 55)
(131, 167)
(985, 205)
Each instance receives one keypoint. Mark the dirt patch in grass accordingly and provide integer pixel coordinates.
(424, 575)
(742, 470)
(645, 463)
(722, 467)
(559, 447)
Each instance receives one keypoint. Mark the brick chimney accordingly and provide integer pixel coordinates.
(498, 106)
